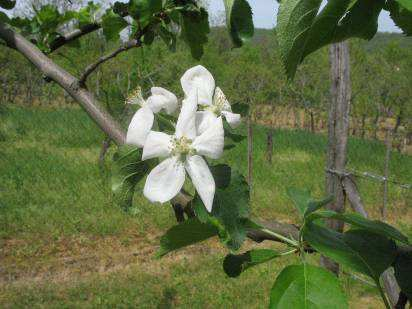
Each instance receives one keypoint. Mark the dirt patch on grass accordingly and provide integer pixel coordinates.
(74, 258)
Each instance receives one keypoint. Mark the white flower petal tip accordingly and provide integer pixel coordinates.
(186, 123)
(162, 99)
(211, 142)
(234, 120)
(165, 181)
(201, 80)
(202, 179)
(139, 127)
(158, 144)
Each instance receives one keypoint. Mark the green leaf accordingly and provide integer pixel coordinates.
(234, 265)
(403, 273)
(358, 221)
(239, 21)
(112, 24)
(325, 24)
(230, 212)
(4, 18)
(88, 14)
(143, 10)
(195, 28)
(306, 286)
(401, 16)
(240, 108)
(185, 234)
(127, 171)
(361, 250)
(7, 4)
(304, 202)
(221, 174)
(295, 17)
(360, 21)
(407, 4)
(231, 135)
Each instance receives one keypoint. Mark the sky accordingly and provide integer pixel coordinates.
(264, 14)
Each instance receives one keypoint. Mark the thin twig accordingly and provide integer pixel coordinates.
(90, 68)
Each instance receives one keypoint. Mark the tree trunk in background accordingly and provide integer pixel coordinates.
(375, 125)
(249, 151)
(312, 121)
(363, 125)
(338, 130)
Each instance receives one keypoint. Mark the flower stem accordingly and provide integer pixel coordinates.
(289, 241)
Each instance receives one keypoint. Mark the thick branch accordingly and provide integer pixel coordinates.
(92, 67)
(67, 81)
(73, 35)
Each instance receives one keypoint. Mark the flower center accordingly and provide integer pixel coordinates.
(182, 147)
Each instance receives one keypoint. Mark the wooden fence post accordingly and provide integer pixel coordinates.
(338, 130)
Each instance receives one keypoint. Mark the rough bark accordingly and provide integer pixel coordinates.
(338, 131)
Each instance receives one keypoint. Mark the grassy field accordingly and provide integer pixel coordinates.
(63, 243)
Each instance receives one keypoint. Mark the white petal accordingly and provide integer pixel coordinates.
(203, 121)
(232, 119)
(199, 79)
(210, 143)
(186, 123)
(162, 98)
(139, 127)
(165, 180)
(157, 145)
(202, 179)
(220, 100)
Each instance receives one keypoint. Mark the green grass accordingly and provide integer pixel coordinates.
(55, 204)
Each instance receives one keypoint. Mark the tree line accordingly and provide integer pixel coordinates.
(381, 74)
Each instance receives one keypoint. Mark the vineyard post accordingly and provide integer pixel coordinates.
(338, 130)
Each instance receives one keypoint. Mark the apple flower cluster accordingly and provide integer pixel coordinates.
(198, 133)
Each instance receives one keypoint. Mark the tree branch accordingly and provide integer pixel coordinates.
(92, 67)
(67, 81)
(73, 35)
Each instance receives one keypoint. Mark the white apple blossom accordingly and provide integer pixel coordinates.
(183, 151)
(142, 121)
(212, 101)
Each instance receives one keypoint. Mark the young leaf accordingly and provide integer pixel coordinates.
(403, 273)
(234, 265)
(7, 4)
(127, 171)
(295, 18)
(357, 220)
(143, 10)
(306, 286)
(239, 21)
(304, 202)
(185, 234)
(361, 250)
(195, 28)
(112, 24)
